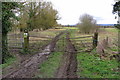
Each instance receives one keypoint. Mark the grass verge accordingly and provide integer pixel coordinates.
(91, 66)
(49, 67)
(9, 61)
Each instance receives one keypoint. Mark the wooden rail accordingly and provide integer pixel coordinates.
(81, 37)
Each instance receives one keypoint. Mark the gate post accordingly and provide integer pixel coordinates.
(26, 41)
(95, 39)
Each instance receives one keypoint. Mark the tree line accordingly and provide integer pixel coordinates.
(36, 15)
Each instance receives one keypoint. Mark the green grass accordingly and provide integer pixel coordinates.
(43, 33)
(114, 49)
(17, 39)
(70, 28)
(9, 61)
(111, 29)
(91, 66)
(49, 67)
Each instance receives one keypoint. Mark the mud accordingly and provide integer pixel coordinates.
(68, 66)
(30, 66)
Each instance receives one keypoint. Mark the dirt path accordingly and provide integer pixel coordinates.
(30, 66)
(69, 62)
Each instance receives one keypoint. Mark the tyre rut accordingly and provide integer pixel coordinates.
(30, 66)
(68, 66)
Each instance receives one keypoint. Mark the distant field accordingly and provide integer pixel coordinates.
(111, 33)
(111, 29)
(43, 37)
(70, 28)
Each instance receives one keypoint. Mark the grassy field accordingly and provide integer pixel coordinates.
(111, 29)
(112, 34)
(89, 64)
(16, 39)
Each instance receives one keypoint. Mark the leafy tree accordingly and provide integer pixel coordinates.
(23, 18)
(116, 9)
(38, 15)
(48, 16)
(7, 13)
(87, 24)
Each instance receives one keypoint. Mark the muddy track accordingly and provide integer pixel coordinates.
(68, 66)
(30, 66)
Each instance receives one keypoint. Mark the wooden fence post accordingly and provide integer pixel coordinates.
(95, 39)
(26, 41)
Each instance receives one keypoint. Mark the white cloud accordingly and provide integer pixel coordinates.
(71, 10)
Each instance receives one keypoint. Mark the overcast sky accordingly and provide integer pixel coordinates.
(71, 10)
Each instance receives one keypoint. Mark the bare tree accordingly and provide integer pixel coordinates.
(87, 24)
